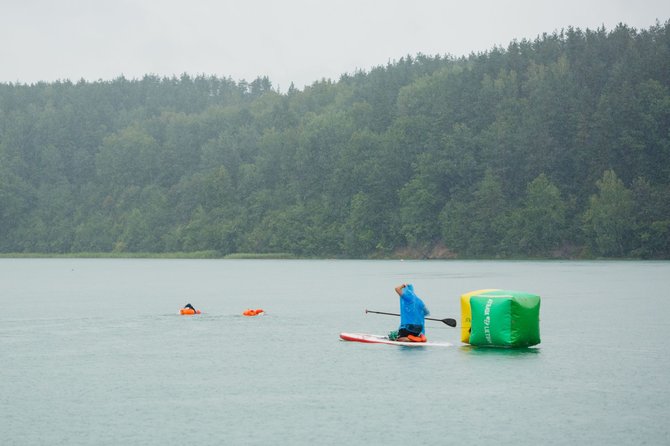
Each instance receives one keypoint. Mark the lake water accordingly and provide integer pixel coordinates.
(92, 352)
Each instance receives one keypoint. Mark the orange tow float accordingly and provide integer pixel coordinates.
(256, 312)
(421, 338)
(189, 311)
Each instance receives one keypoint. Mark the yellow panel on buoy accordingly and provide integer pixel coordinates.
(466, 313)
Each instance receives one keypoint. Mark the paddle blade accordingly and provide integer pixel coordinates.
(450, 322)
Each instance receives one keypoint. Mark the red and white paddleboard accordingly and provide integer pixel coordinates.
(376, 339)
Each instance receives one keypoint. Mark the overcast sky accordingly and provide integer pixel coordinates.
(298, 41)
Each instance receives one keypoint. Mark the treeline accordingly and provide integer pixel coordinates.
(556, 147)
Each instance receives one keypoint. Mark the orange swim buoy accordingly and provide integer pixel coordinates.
(249, 312)
(421, 338)
(188, 311)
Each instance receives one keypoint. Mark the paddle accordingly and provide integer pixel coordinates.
(448, 321)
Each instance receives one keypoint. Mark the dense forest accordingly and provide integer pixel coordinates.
(557, 147)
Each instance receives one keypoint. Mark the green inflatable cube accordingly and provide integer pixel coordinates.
(502, 318)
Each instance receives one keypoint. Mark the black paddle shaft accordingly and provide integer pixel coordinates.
(450, 322)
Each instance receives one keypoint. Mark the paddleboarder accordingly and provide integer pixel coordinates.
(412, 315)
(191, 307)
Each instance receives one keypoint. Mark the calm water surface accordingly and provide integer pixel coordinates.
(92, 352)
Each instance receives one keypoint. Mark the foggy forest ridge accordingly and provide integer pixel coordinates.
(557, 147)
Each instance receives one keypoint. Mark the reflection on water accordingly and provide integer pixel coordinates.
(499, 351)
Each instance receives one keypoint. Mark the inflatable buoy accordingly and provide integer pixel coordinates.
(501, 318)
(252, 312)
(188, 311)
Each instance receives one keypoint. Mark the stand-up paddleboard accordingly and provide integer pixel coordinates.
(377, 339)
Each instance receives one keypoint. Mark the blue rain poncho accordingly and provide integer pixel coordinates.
(412, 310)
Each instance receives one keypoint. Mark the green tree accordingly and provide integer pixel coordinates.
(475, 225)
(538, 226)
(361, 229)
(419, 208)
(652, 215)
(609, 219)
(128, 158)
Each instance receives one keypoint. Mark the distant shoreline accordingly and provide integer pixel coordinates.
(196, 255)
(145, 255)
